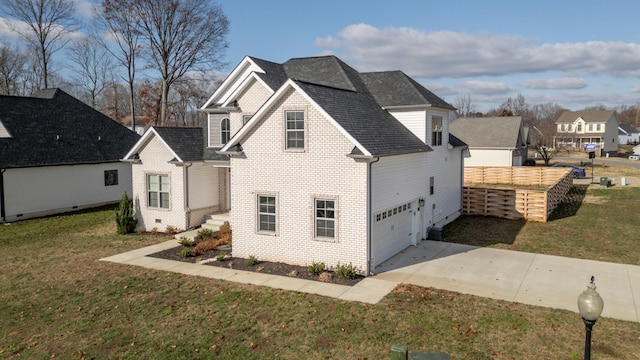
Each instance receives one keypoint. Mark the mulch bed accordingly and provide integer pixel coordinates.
(264, 267)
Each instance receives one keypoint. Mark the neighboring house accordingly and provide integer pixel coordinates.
(628, 134)
(58, 154)
(178, 179)
(493, 141)
(588, 130)
(325, 164)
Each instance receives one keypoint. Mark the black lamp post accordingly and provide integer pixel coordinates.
(590, 305)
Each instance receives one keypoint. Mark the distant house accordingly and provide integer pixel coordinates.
(628, 134)
(313, 160)
(58, 154)
(588, 130)
(492, 141)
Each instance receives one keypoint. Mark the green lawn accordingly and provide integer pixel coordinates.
(58, 301)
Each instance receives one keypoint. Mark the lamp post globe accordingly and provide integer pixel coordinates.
(590, 305)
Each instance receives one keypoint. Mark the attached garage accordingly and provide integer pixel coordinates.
(392, 231)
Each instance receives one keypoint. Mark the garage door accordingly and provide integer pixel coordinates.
(391, 232)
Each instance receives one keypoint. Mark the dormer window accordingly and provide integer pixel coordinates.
(436, 130)
(225, 131)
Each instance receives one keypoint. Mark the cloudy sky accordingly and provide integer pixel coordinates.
(574, 53)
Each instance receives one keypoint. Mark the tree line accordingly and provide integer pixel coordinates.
(172, 43)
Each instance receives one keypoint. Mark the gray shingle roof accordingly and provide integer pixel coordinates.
(54, 128)
(490, 132)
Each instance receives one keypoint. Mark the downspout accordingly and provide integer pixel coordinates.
(2, 209)
(187, 210)
(371, 268)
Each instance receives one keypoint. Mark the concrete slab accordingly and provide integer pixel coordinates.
(634, 279)
(286, 283)
(324, 289)
(369, 290)
(249, 277)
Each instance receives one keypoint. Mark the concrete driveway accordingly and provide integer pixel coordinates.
(527, 278)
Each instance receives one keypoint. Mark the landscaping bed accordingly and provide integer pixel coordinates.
(212, 258)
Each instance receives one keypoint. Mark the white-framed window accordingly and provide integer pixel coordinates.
(590, 127)
(225, 131)
(267, 215)
(597, 127)
(158, 191)
(110, 177)
(325, 218)
(579, 127)
(432, 185)
(563, 127)
(246, 118)
(436, 130)
(294, 129)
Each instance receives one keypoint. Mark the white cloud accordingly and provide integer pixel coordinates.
(439, 54)
(84, 8)
(560, 83)
(485, 87)
(328, 42)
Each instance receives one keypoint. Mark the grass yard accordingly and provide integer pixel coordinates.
(58, 301)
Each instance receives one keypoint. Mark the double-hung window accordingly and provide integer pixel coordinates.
(294, 130)
(267, 213)
(225, 131)
(436, 130)
(158, 191)
(325, 218)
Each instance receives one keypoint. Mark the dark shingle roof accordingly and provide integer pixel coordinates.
(54, 128)
(189, 143)
(361, 116)
(628, 129)
(490, 132)
(324, 70)
(274, 75)
(395, 88)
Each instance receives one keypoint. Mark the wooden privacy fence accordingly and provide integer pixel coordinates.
(512, 202)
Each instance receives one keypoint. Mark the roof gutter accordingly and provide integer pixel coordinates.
(407, 107)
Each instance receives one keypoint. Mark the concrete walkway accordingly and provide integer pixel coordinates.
(533, 279)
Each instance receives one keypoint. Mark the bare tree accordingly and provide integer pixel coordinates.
(182, 35)
(117, 18)
(13, 67)
(115, 101)
(465, 106)
(47, 26)
(92, 67)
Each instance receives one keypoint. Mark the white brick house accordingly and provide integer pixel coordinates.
(330, 165)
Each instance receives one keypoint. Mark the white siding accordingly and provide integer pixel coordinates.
(414, 120)
(489, 157)
(398, 179)
(446, 167)
(39, 191)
